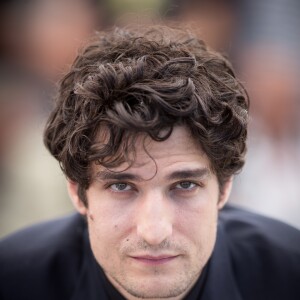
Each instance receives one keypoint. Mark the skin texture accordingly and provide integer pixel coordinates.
(153, 225)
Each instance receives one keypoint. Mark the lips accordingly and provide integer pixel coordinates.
(154, 260)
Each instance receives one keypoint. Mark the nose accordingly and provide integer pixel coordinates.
(154, 224)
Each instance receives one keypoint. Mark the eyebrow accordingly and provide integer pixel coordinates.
(198, 173)
(120, 176)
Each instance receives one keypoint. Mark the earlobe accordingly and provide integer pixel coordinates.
(224, 196)
(73, 193)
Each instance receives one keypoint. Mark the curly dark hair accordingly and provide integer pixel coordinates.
(127, 82)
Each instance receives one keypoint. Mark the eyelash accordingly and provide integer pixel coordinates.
(194, 185)
(119, 183)
(173, 187)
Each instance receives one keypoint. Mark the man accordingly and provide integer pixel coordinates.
(150, 128)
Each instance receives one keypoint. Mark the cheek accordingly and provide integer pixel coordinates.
(104, 239)
(108, 226)
(198, 223)
(202, 208)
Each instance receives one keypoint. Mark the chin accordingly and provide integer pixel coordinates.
(159, 286)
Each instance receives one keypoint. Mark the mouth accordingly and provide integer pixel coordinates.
(154, 260)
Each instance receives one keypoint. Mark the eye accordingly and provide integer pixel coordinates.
(185, 185)
(120, 187)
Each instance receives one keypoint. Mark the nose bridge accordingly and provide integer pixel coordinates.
(154, 223)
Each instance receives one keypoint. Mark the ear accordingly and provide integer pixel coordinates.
(73, 193)
(224, 195)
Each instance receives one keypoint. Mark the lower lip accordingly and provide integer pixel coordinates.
(154, 262)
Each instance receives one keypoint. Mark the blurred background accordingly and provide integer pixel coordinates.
(40, 38)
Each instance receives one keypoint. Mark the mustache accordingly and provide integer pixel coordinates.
(130, 246)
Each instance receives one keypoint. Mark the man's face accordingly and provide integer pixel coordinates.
(152, 226)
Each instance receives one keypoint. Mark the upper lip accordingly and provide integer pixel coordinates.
(154, 257)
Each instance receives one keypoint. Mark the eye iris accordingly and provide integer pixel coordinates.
(185, 185)
(121, 186)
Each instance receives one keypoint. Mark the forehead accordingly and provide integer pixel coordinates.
(180, 150)
(180, 142)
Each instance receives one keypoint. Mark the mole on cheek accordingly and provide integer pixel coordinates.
(91, 217)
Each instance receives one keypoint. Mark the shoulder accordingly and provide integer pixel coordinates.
(265, 254)
(36, 258)
(247, 227)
